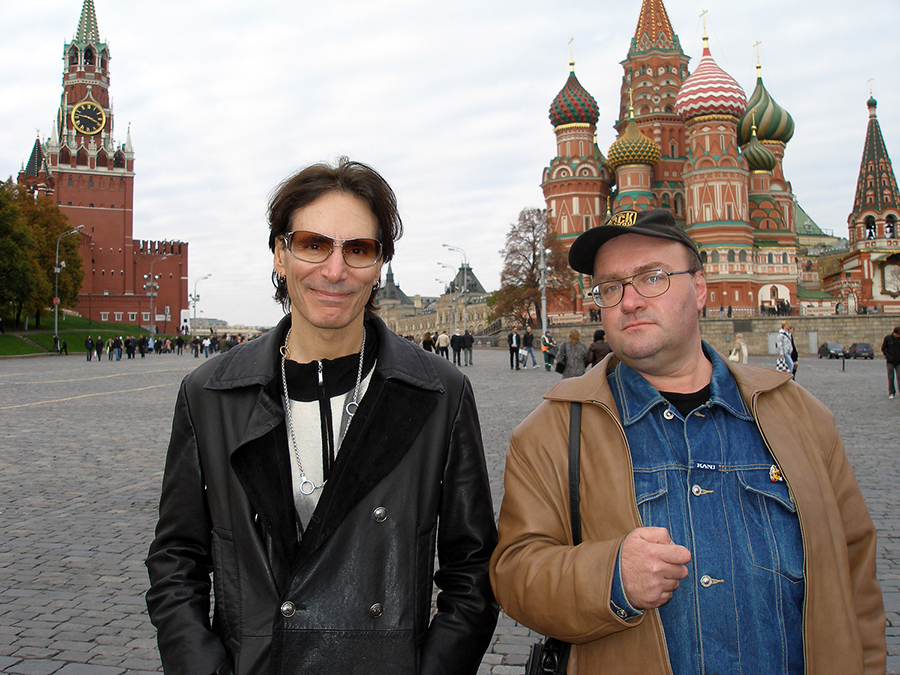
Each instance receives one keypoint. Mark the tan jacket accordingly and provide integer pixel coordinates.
(561, 590)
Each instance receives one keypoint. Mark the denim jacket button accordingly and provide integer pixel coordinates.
(697, 490)
(668, 414)
(706, 581)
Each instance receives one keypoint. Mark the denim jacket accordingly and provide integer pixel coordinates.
(710, 480)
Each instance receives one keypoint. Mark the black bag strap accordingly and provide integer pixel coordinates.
(575, 470)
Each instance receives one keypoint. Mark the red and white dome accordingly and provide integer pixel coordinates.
(709, 91)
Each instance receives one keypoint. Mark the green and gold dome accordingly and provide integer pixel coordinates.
(773, 123)
(632, 147)
(758, 156)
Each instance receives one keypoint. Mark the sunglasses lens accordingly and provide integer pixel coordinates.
(361, 252)
(315, 248)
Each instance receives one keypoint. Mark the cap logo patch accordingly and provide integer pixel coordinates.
(623, 218)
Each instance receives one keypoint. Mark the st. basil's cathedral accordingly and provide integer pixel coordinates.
(694, 143)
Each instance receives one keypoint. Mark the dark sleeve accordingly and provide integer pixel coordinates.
(461, 630)
(180, 560)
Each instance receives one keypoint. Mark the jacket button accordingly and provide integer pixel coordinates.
(697, 490)
(668, 414)
(287, 609)
(379, 515)
(376, 610)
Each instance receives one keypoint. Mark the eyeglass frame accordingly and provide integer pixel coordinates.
(630, 280)
(286, 241)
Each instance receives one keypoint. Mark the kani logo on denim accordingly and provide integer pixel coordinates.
(706, 465)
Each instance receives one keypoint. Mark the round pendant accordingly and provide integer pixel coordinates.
(307, 487)
(352, 407)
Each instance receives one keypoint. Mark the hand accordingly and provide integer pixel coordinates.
(652, 566)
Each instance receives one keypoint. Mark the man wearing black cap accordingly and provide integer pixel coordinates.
(723, 529)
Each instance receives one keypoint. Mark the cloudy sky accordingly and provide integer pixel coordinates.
(448, 100)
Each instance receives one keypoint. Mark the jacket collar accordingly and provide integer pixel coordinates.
(592, 387)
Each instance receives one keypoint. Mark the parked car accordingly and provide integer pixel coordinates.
(832, 350)
(860, 350)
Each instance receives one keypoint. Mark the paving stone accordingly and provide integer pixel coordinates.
(81, 479)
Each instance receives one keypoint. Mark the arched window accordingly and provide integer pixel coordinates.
(88, 57)
(771, 259)
(730, 256)
(784, 259)
(703, 257)
(742, 257)
(890, 227)
(871, 229)
(715, 256)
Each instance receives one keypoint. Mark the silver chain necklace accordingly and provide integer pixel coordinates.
(307, 487)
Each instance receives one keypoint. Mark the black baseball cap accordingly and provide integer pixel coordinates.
(659, 223)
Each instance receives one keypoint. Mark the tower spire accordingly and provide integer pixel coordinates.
(876, 187)
(87, 24)
(654, 30)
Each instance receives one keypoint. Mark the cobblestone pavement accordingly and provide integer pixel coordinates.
(83, 444)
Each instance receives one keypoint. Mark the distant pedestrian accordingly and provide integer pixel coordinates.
(739, 350)
(468, 342)
(514, 340)
(56, 344)
(548, 347)
(98, 346)
(456, 345)
(795, 356)
(890, 347)
(575, 355)
(528, 346)
(783, 348)
(89, 347)
(599, 347)
(443, 345)
(64, 348)
(428, 343)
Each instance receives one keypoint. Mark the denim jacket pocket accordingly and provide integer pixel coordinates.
(649, 486)
(771, 524)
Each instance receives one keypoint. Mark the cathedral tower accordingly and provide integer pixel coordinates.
(91, 178)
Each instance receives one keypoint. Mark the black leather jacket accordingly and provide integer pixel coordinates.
(354, 594)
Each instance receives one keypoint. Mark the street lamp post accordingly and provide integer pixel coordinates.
(465, 290)
(195, 299)
(455, 297)
(542, 265)
(150, 286)
(56, 270)
(452, 298)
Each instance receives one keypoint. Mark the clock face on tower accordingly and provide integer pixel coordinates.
(88, 118)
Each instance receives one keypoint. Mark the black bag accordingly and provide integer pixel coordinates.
(561, 360)
(551, 656)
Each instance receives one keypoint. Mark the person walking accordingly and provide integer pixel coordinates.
(443, 345)
(528, 346)
(98, 345)
(548, 347)
(456, 344)
(575, 355)
(468, 343)
(784, 347)
(890, 347)
(739, 352)
(89, 347)
(428, 343)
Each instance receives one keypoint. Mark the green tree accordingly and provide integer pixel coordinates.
(47, 222)
(519, 297)
(18, 272)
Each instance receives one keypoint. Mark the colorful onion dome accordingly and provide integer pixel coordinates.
(574, 104)
(632, 147)
(709, 91)
(758, 156)
(773, 123)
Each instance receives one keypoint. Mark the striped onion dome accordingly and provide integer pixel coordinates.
(632, 147)
(574, 104)
(758, 156)
(773, 123)
(709, 91)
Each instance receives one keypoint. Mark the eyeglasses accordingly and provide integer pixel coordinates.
(648, 284)
(312, 247)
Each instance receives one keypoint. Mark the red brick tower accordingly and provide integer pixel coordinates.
(92, 180)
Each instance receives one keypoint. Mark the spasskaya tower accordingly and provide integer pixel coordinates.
(91, 178)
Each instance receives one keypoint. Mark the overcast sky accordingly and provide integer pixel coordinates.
(448, 100)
